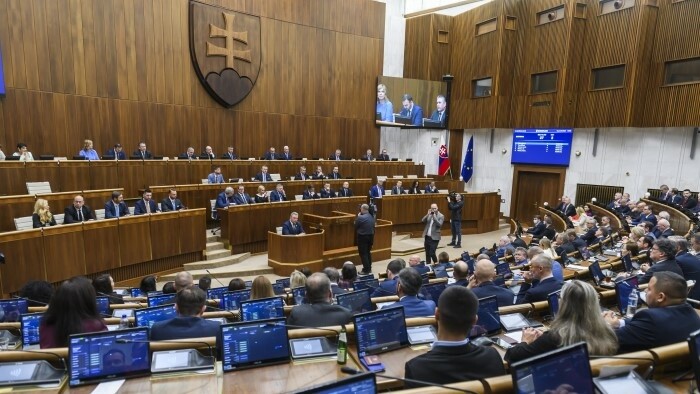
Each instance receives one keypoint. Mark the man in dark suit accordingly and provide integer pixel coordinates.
(318, 174)
(171, 203)
(439, 113)
(688, 202)
(589, 235)
(188, 155)
(263, 175)
(646, 216)
(216, 176)
(229, 155)
(116, 207)
(549, 231)
(310, 193)
(377, 191)
(482, 284)
(383, 156)
(460, 273)
(690, 265)
(115, 153)
(190, 304)
(146, 204)
(415, 262)
(539, 281)
(616, 202)
(411, 110)
(662, 255)
(141, 153)
(566, 207)
(270, 154)
(78, 212)
(301, 176)
(669, 318)
(335, 174)
(334, 276)
(345, 191)
(663, 227)
(538, 227)
(675, 196)
(336, 156)
(225, 198)
(319, 312)
(278, 194)
(208, 153)
(575, 240)
(388, 286)
(286, 154)
(398, 188)
(327, 192)
(666, 194)
(368, 156)
(241, 197)
(293, 226)
(408, 288)
(452, 357)
(364, 229)
(431, 188)
(431, 233)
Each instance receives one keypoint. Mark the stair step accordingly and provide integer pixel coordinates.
(212, 246)
(217, 254)
(212, 238)
(216, 263)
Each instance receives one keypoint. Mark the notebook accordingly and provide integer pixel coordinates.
(232, 300)
(146, 317)
(102, 356)
(357, 301)
(568, 366)
(253, 344)
(30, 329)
(380, 331)
(263, 308)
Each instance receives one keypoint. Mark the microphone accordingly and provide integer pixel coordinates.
(126, 341)
(646, 375)
(353, 371)
(387, 292)
(233, 314)
(215, 278)
(42, 303)
(61, 359)
(313, 328)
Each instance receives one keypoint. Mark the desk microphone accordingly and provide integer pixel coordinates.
(113, 296)
(353, 371)
(215, 278)
(233, 314)
(646, 376)
(309, 327)
(124, 341)
(61, 359)
(387, 292)
(41, 303)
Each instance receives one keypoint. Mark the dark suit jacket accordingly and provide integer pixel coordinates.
(229, 156)
(414, 190)
(529, 293)
(646, 218)
(71, 215)
(690, 265)
(288, 229)
(259, 177)
(299, 177)
(386, 288)
(414, 307)
(110, 211)
(383, 157)
(327, 194)
(570, 210)
(654, 327)
(537, 230)
(167, 205)
(319, 315)
(307, 196)
(184, 327)
(667, 265)
(206, 156)
(140, 207)
(36, 223)
(450, 364)
(416, 115)
(276, 196)
(223, 201)
(429, 190)
(422, 268)
(344, 192)
(550, 233)
(397, 190)
(435, 116)
(690, 204)
(487, 289)
(184, 156)
(242, 199)
(270, 156)
(146, 155)
(547, 342)
(375, 191)
(112, 154)
(665, 234)
(316, 175)
(333, 175)
(283, 156)
(589, 236)
(332, 157)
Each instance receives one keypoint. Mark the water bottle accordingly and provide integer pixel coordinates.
(632, 303)
(124, 322)
(343, 346)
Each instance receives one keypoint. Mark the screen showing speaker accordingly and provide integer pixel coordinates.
(412, 103)
(550, 147)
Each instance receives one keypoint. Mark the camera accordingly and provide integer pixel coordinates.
(453, 196)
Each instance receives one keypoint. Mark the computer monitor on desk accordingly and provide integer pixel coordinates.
(13, 309)
(564, 367)
(380, 331)
(147, 317)
(402, 119)
(488, 321)
(253, 344)
(263, 308)
(431, 123)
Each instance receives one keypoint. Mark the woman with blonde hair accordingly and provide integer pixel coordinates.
(261, 288)
(261, 196)
(384, 107)
(581, 217)
(578, 320)
(88, 152)
(42, 216)
(297, 279)
(546, 246)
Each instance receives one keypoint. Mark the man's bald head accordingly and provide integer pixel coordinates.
(413, 260)
(484, 270)
(183, 280)
(461, 270)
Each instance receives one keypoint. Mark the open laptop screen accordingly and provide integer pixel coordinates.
(365, 284)
(148, 316)
(433, 291)
(299, 294)
(623, 289)
(596, 272)
(488, 321)
(11, 310)
(566, 368)
(553, 301)
(103, 306)
(232, 300)
(30, 328)
(359, 384)
(285, 282)
(96, 357)
(627, 261)
(216, 293)
(380, 331)
(252, 344)
(161, 299)
(357, 301)
(503, 269)
(263, 308)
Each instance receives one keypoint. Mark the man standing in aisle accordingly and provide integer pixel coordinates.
(364, 227)
(431, 234)
(455, 204)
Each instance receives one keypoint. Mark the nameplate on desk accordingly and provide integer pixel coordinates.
(577, 267)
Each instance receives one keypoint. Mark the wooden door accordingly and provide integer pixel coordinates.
(532, 186)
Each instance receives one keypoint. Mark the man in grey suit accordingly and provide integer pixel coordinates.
(433, 222)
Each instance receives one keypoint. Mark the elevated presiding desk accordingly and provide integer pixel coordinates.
(128, 247)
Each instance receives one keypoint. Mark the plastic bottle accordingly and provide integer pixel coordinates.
(343, 346)
(124, 322)
(632, 303)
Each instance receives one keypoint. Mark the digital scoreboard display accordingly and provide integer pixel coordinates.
(551, 147)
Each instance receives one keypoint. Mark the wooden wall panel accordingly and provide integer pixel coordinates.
(120, 71)
(417, 47)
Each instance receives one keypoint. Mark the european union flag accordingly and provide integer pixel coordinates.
(468, 165)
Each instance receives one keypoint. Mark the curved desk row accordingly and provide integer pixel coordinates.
(680, 222)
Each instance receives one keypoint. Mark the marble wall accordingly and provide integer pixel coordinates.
(421, 145)
(394, 38)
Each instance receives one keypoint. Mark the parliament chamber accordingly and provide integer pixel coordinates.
(139, 96)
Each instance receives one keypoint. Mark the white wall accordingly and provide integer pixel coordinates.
(414, 143)
(394, 38)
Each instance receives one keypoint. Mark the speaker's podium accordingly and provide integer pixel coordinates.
(329, 241)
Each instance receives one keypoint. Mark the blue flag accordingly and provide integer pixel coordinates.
(468, 165)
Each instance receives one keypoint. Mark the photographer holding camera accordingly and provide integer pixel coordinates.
(455, 204)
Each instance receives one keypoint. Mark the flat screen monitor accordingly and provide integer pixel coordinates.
(216, 293)
(232, 300)
(432, 291)
(380, 331)
(553, 301)
(542, 146)
(97, 357)
(136, 292)
(488, 321)
(596, 272)
(566, 368)
(365, 383)
(161, 299)
(253, 344)
(263, 308)
(279, 288)
(357, 301)
(299, 294)
(146, 317)
(623, 289)
(11, 310)
(103, 306)
(503, 269)
(30, 328)
(366, 284)
(285, 282)
(421, 109)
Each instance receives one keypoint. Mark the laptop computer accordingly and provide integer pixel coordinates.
(598, 275)
(112, 355)
(421, 334)
(694, 346)
(286, 282)
(161, 299)
(11, 310)
(299, 294)
(365, 277)
(623, 289)
(253, 344)
(146, 317)
(568, 366)
(503, 269)
(440, 271)
(232, 300)
(488, 322)
(433, 291)
(630, 266)
(136, 292)
(216, 293)
(103, 306)
(365, 284)
(279, 288)
(29, 328)
(154, 293)
(263, 308)
(585, 253)
(357, 301)
(365, 383)
(380, 331)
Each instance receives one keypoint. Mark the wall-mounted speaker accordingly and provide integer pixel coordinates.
(595, 141)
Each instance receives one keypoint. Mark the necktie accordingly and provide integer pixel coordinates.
(148, 206)
(439, 116)
(116, 210)
(80, 214)
(172, 203)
